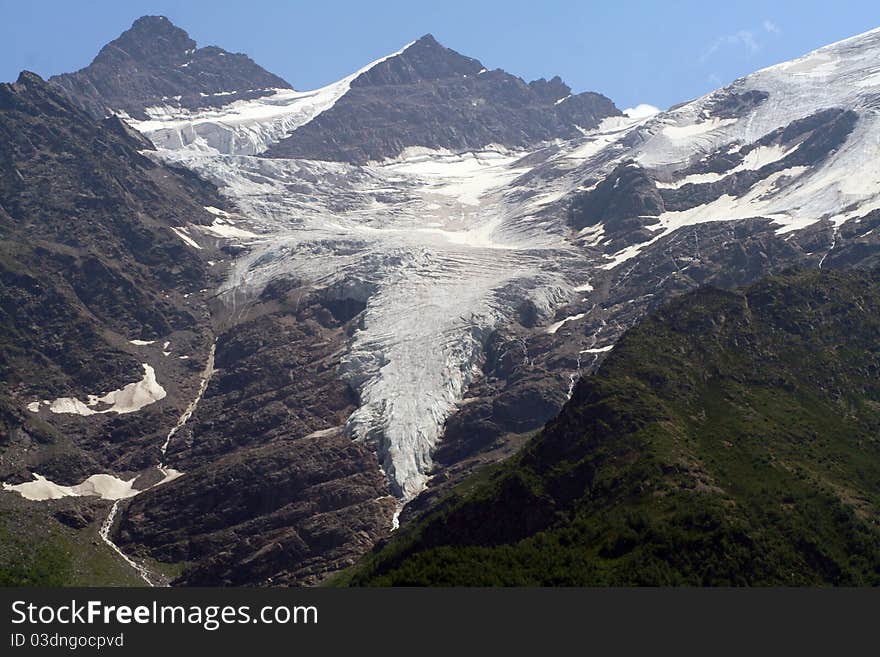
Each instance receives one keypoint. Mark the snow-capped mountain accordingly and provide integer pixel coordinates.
(420, 260)
(156, 63)
(795, 143)
(423, 95)
(425, 238)
(443, 247)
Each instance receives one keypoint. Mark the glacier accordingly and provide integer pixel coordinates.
(433, 246)
(443, 247)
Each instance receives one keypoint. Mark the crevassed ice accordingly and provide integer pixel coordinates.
(441, 261)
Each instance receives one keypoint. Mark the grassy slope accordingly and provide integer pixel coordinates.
(729, 439)
(37, 550)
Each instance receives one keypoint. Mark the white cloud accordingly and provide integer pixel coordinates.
(771, 27)
(641, 111)
(741, 39)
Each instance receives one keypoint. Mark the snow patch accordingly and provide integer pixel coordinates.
(554, 327)
(104, 486)
(686, 130)
(128, 399)
(597, 350)
(223, 229)
(181, 233)
(217, 211)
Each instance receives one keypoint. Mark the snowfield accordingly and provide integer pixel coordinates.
(841, 75)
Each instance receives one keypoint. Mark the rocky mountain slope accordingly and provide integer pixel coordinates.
(105, 287)
(430, 96)
(93, 276)
(730, 438)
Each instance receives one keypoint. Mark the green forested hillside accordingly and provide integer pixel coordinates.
(731, 438)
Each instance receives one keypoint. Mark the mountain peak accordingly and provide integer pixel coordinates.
(150, 39)
(552, 89)
(154, 23)
(427, 40)
(431, 96)
(424, 59)
(154, 62)
(28, 77)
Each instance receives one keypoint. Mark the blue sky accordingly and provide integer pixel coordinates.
(635, 52)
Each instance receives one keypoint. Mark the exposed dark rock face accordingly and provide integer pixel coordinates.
(87, 263)
(274, 492)
(155, 63)
(288, 512)
(734, 105)
(431, 96)
(625, 204)
(275, 379)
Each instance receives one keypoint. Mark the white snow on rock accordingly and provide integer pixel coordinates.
(181, 232)
(245, 127)
(841, 75)
(141, 343)
(753, 161)
(686, 129)
(555, 326)
(132, 397)
(598, 350)
(216, 211)
(104, 486)
(221, 228)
